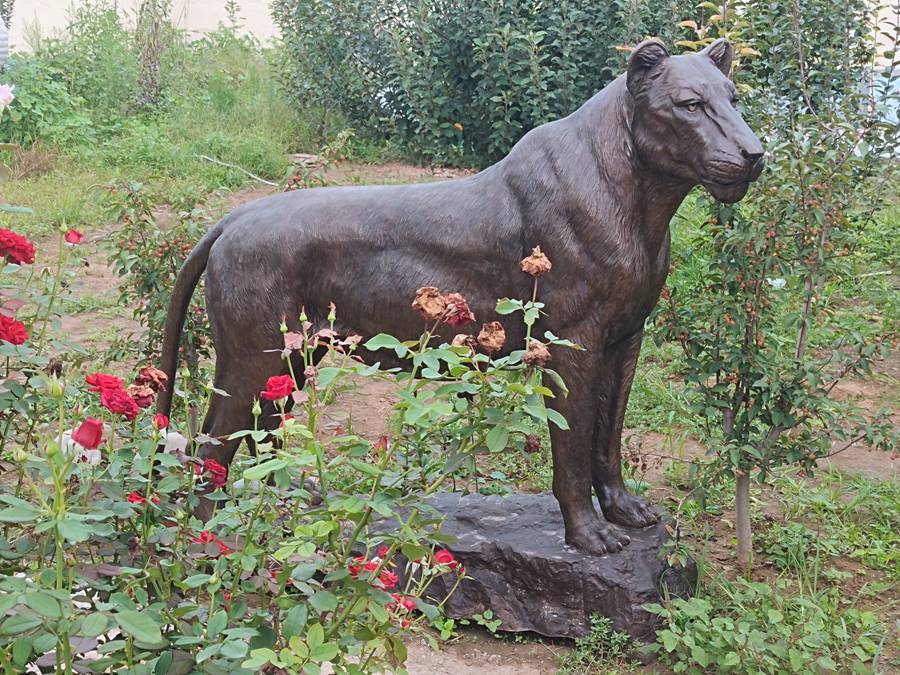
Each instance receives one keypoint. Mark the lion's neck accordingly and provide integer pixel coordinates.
(632, 197)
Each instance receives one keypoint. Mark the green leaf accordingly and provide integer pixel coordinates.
(294, 621)
(44, 604)
(315, 635)
(497, 438)
(93, 624)
(557, 419)
(323, 601)
(507, 306)
(196, 580)
(262, 470)
(19, 623)
(21, 650)
(139, 625)
(384, 341)
(217, 624)
(73, 531)
(19, 514)
(324, 652)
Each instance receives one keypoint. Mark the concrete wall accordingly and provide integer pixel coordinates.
(49, 17)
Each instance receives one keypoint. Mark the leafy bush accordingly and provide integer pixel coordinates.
(763, 628)
(459, 83)
(764, 343)
(604, 651)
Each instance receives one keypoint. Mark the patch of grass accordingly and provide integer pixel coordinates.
(605, 651)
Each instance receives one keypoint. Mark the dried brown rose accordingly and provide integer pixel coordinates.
(492, 337)
(311, 375)
(532, 443)
(463, 340)
(142, 395)
(536, 264)
(154, 378)
(537, 354)
(457, 313)
(430, 303)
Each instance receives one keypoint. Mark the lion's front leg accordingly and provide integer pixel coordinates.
(585, 528)
(614, 386)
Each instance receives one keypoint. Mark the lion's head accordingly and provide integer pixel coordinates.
(686, 124)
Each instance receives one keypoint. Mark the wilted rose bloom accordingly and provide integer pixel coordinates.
(118, 401)
(152, 377)
(74, 237)
(536, 264)
(6, 95)
(492, 337)
(278, 387)
(458, 312)
(537, 354)
(311, 375)
(463, 340)
(532, 443)
(430, 303)
(89, 434)
(12, 330)
(15, 248)
(142, 395)
(101, 381)
(224, 549)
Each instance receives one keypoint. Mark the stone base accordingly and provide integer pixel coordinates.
(523, 571)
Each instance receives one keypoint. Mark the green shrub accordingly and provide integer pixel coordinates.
(762, 628)
(460, 82)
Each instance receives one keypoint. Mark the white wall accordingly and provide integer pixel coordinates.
(193, 15)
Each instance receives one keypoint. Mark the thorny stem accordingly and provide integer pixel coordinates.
(53, 293)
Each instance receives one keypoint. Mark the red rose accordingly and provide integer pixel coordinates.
(15, 248)
(152, 377)
(388, 579)
(160, 421)
(206, 537)
(409, 604)
(136, 497)
(223, 548)
(458, 312)
(119, 402)
(218, 474)
(101, 381)
(142, 395)
(74, 237)
(12, 331)
(383, 551)
(89, 434)
(355, 569)
(444, 557)
(278, 387)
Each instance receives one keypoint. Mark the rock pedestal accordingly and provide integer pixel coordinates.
(523, 571)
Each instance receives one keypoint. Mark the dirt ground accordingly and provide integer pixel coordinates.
(367, 405)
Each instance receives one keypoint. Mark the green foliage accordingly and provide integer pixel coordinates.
(293, 570)
(147, 258)
(764, 628)
(459, 83)
(763, 335)
(604, 651)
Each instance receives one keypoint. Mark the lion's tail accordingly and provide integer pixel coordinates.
(185, 283)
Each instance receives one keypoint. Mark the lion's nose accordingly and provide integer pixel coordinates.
(752, 157)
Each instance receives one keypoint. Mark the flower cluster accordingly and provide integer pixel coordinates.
(452, 308)
(118, 399)
(386, 580)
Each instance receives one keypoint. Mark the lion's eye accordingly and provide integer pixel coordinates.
(690, 106)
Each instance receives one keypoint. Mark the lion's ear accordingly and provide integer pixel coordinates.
(721, 53)
(643, 59)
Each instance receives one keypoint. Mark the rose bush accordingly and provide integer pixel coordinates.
(103, 565)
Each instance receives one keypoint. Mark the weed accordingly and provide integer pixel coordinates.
(604, 651)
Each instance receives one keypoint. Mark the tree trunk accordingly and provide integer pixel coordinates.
(742, 522)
